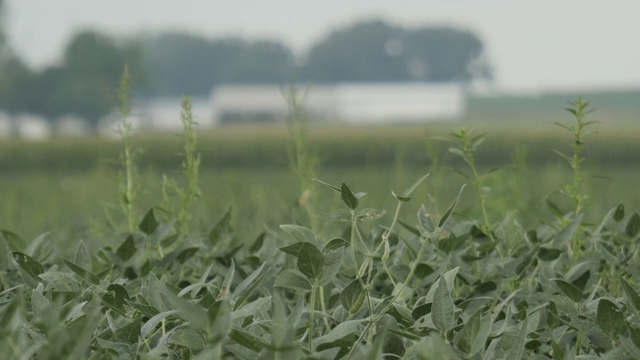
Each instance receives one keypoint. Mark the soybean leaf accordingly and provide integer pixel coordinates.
(152, 323)
(330, 266)
(115, 298)
(220, 229)
(475, 333)
(193, 313)
(257, 243)
(293, 249)
(425, 220)
(14, 242)
(618, 215)
(248, 286)
(219, 315)
(633, 225)
(406, 193)
(449, 211)
(149, 223)
(342, 215)
(571, 291)
(127, 249)
(82, 256)
(511, 344)
(334, 244)
(289, 279)
(442, 308)
(246, 339)
(610, 318)
(327, 184)
(299, 233)
(29, 268)
(83, 273)
(632, 295)
(352, 296)
(225, 289)
(344, 334)
(369, 214)
(347, 197)
(310, 260)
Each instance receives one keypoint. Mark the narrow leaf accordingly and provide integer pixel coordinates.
(632, 295)
(83, 273)
(449, 211)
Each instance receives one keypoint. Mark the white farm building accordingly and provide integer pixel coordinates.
(349, 102)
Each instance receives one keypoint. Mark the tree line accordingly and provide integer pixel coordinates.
(170, 64)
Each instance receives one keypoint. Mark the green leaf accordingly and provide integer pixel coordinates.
(13, 241)
(610, 318)
(452, 207)
(219, 315)
(352, 296)
(344, 334)
(633, 225)
(293, 249)
(425, 220)
(547, 254)
(310, 260)
(225, 289)
(153, 322)
(247, 339)
(334, 244)
(83, 273)
(342, 215)
(442, 308)
(327, 184)
(220, 229)
(475, 333)
(632, 295)
(193, 313)
(257, 243)
(82, 256)
(400, 197)
(459, 152)
(347, 197)
(299, 233)
(408, 192)
(115, 298)
(512, 342)
(127, 249)
(149, 223)
(369, 214)
(330, 266)
(248, 286)
(29, 267)
(618, 215)
(290, 279)
(569, 290)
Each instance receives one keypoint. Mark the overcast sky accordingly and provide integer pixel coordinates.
(533, 44)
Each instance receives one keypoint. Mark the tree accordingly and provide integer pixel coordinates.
(182, 64)
(376, 51)
(363, 52)
(84, 84)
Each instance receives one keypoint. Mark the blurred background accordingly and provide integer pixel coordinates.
(379, 81)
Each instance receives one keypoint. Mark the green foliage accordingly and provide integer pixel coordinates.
(361, 287)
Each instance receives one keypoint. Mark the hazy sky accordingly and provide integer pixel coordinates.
(533, 44)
